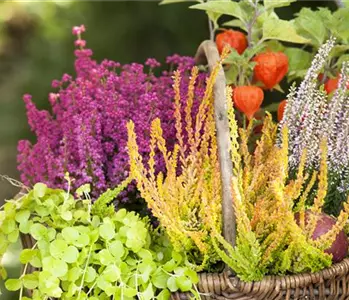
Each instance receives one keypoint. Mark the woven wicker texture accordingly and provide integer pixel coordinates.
(331, 283)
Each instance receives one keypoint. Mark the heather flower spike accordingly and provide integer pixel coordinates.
(312, 117)
(86, 133)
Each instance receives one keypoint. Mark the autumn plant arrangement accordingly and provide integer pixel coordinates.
(120, 136)
(188, 204)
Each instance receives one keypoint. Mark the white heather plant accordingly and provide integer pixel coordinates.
(311, 116)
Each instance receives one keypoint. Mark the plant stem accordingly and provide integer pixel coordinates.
(85, 270)
(211, 29)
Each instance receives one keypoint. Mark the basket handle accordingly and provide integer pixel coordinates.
(208, 53)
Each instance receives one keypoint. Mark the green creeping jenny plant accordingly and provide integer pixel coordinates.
(83, 250)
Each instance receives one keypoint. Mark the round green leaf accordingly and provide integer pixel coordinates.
(13, 236)
(70, 255)
(171, 284)
(57, 248)
(13, 284)
(116, 248)
(90, 275)
(55, 266)
(82, 241)
(39, 190)
(184, 283)
(38, 231)
(105, 257)
(107, 231)
(24, 226)
(8, 226)
(22, 216)
(111, 273)
(70, 234)
(30, 281)
(159, 279)
(27, 255)
(74, 274)
(67, 215)
(164, 295)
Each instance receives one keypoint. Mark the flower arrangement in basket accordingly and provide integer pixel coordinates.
(238, 200)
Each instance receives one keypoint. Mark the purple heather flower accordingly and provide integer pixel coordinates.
(152, 63)
(86, 134)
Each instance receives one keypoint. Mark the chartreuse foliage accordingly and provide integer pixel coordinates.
(87, 251)
(187, 200)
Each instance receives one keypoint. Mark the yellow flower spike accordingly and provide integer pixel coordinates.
(188, 108)
(323, 179)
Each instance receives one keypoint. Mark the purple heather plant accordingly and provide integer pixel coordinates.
(86, 134)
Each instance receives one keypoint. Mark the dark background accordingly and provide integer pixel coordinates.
(36, 46)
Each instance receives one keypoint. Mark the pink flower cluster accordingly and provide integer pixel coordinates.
(85, 134)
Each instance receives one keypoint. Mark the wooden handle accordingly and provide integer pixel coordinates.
(208, 53)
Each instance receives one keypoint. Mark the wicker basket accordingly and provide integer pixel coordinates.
(330, 283)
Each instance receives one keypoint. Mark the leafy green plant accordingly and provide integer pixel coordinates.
(83, 250)
(268, 37)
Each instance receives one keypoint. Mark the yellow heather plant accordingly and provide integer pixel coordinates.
(187, 198)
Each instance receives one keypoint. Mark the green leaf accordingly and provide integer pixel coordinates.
(38, 231)
(112, 273)
(22, 216)
(116, 248)
(172, 285)
(148, 293)
(67, 215)
(271, 4)
(90, 275)
(341, 60)
(55, 266)
(70, 234)
(70, 255)
(13, 284)
(57, 248)
(8, 226)
(30, 281)
(107, 231)
(24, 227)
(339, 25)
(13, 236)
(310, 25)
(184, 283)
(82, 241)
(192, 275)
(27, 255)
(282, 30)
(164, 295)
(229, 8)
(74, 274)
(298, 59)
(159, 279)
(39, 190)
(235, 23)
(105, 257)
